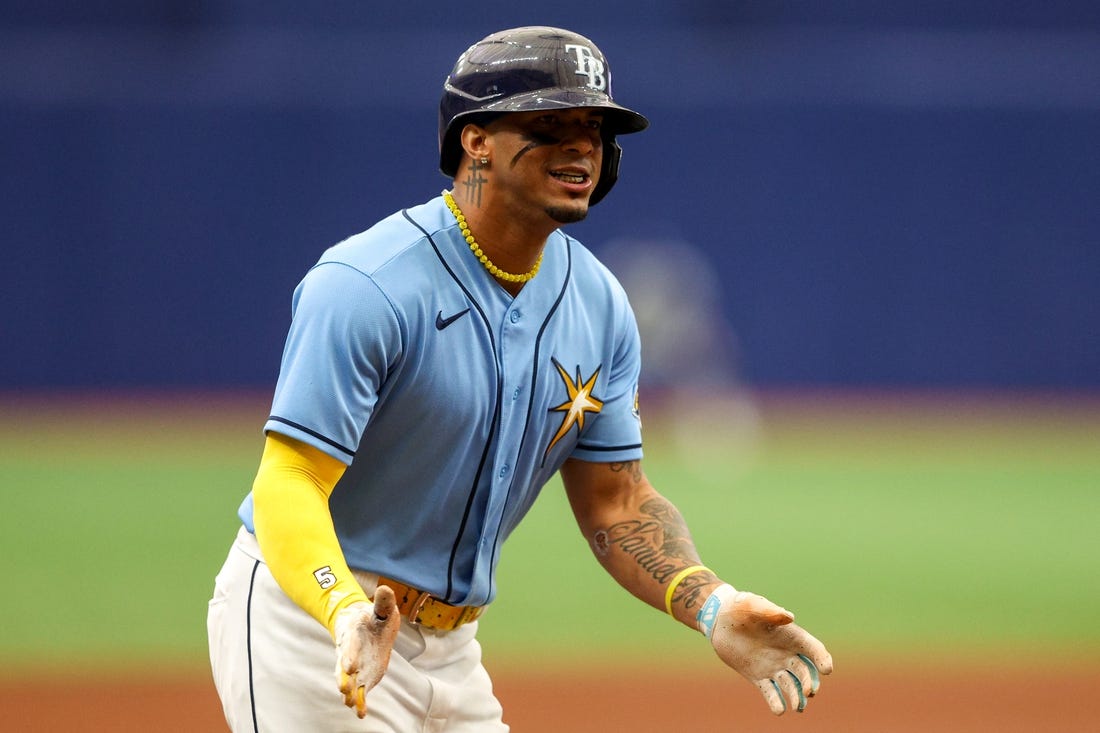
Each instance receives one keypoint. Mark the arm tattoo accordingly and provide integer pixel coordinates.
(658, 540)
(634, 468)
(678, 543)
(474, 182)
(692, 589)
(660, 543)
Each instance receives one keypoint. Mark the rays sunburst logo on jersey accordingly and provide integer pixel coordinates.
(580, 401)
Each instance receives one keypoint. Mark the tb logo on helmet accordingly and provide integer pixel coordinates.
(588, 64)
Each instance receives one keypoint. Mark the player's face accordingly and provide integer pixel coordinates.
(549, 159)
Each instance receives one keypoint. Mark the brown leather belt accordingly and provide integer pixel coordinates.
(422, 608)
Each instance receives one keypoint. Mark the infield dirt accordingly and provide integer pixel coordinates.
(609, 700)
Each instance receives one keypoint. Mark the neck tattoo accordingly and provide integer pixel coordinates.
(481, 256)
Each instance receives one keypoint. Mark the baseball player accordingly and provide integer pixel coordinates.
(440, 368)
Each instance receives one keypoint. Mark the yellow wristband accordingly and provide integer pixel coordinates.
(679, 578)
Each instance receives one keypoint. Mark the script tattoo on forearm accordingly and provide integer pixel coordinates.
(658, 541)
(693, 590)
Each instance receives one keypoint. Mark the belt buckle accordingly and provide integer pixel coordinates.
(417, 607)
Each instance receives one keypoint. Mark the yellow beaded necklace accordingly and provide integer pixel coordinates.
(481, 256)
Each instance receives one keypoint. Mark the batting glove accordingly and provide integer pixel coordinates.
(364, 636)
(758, 639)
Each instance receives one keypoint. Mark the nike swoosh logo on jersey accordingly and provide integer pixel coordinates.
(441, 322)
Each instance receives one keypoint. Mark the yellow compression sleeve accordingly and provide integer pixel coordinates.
(294, 527)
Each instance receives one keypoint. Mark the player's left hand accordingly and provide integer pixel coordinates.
(365, 633)
(759, 640)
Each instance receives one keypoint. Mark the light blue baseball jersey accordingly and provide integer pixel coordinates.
(451, 402)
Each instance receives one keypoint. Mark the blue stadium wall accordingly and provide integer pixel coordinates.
(884, 195)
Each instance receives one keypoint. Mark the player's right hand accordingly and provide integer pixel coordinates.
(365, 633)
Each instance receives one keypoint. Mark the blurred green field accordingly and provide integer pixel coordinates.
(892, 526)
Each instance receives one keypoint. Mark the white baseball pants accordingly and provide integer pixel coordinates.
(274, 666)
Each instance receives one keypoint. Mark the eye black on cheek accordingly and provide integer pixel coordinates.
(535, 140)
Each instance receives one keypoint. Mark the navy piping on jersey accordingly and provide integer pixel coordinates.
(608, 448)
(534, 384)
(538, 341)
(314, 433)
(248, 641)
(494, 424)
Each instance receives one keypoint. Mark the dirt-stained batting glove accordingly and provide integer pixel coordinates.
(364, 636)
(759, 640)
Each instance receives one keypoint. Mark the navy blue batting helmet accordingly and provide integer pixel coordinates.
(527, 69)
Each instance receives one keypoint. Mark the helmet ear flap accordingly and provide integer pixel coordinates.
(609, 171)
